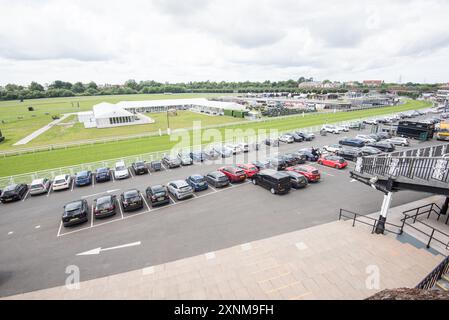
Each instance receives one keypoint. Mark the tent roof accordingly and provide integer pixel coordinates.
(108, 110)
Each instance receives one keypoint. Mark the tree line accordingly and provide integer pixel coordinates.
(60, 88)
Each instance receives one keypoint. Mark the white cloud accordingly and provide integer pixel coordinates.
(168, 40)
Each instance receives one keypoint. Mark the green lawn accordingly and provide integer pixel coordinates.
(15, 129)
(90, 153)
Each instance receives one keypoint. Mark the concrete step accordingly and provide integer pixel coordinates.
(443, 284)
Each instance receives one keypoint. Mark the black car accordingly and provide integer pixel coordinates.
(131, 200)
(370, 151)
(275, 181)
(217, 179)
(383, 135)
(158, 195)
(14, 192)
(350, 153)
(75, 212)
(139, 167)
(310, 154)
(296, 137)
(292, 159)
(103, 175)
(297, 180)
(352, 142)
(105, 206)
(306, 136)
(277, 163)
(272, 142)
(261, 164)
(382, 145)
(198, 156)
(156, 165)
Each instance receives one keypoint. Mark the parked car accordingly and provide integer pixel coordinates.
(180, 189)
(370, 121)
(334, 148)
(350, 153)
(297, 180)
(224, 151)
(105, 206)
(331, 129)
(197, 182)
(39, 186)
(235, 174)
(250, 169)
(296, 137)
(333, 161)
(382, 145)
(261, 164)
(121, 171)
(61, 182)
(306, 136)
(83, 178)
(374, 136)
(292, 159)
(198, 156)
(234, 147)
(14, 192)
(275, 181)
(244, 146)
(286, 138)
(383, 135)
(139, 167)
(102, 175)
(212, 154)
(156, 165)
(272, 142)
(311, 173)
(365, 138)
(171, 161)
(311, 154)
(185, 158)
(370, 151)
(277, 163)
(343, 128)
(352, 142)
(131, 200)
(356, 125)
(398, 141)
(217, 179)
(157, 195)
(75, 212)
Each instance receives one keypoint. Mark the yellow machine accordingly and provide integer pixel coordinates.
(443, 132)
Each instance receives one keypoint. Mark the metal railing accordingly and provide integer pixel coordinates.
(426, 209)
(372, 222)
(430, 280)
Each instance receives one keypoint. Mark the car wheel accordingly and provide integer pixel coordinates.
(272, 191)
(254, 181)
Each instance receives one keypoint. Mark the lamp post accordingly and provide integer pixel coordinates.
(168, 123)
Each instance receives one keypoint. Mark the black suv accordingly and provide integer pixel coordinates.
(158, 195)
(276, 182)
(14, 192)
(75, 212)
(139, 168)
(350, 153)
(131, 200)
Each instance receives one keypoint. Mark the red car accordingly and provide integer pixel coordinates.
(311, 173)
(332, 161)
(235, 174)
(249, 169)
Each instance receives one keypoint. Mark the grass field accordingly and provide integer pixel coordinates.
(15, 129)
(90, 153)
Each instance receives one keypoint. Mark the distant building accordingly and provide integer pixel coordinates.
(373, 83)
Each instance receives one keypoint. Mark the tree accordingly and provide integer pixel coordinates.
(132, 84)
(92, 85)
(78, 87)
(34, 86)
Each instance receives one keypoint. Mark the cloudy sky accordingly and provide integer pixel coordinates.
(233, 40)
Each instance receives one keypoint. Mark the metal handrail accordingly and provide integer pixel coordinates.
(429, 281)
(430, 211)
(373, 225)
(432, 236)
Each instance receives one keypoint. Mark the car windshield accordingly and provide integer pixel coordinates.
(197, 179)
(73, 206)
(59, 181)
(120, 168)
(140, 164)
(11, 188)
(102, 170)
(82, 174)
(131, 194)
(104, 202)
(158, 189)
(36, 186)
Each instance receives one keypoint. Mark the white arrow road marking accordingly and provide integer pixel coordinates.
(99, 250)
(353, 180)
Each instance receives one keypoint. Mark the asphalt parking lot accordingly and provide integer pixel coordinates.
(36, 249)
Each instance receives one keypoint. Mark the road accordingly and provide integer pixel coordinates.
(36, 249)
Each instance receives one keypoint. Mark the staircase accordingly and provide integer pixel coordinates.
(424, 169)
(438, 279)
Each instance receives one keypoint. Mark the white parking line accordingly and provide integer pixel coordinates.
(59, 230)
(37, 227)
(131, 172)
(93, 181)
(92, 217)
(146, 203)
(112, 176)
(26, 195)
(49, 189)
(120, 207)
(73, 185)
(10, 233)
(172, 197)
(215, 190)
(167, 169)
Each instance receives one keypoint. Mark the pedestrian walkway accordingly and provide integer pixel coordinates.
(40, 131)
(329, 261)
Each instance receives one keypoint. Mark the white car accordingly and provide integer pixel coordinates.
(333, 148)
(344, 128)
(331, 129)
(365, 138)
(244, 147)
(235, 148)
(398, 141)
(39, 186)
(286, 138)
(62, 182)
(121, 171)
(180, 189)
(370, 121)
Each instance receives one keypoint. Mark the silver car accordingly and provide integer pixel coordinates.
(180, 189)
(39, 186)
(398, 141)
